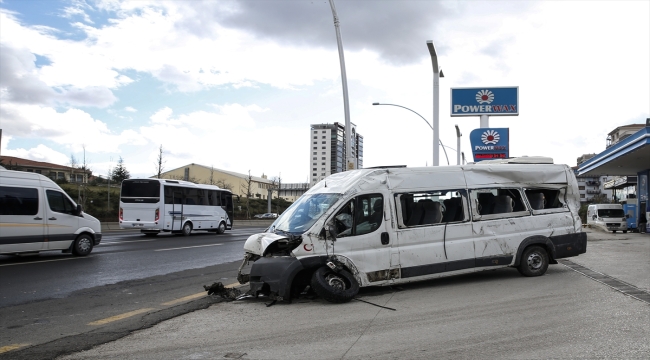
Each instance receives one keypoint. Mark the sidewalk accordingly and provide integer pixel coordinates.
(114, 226)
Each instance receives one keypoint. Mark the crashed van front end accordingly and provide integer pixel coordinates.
(284, 257)
(281, 265)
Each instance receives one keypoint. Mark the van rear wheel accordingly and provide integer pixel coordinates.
(82, 245)
(534, 261)
(335, 287)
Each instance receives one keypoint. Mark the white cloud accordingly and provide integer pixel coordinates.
(38, 153)
(578, 80)
(71, 128)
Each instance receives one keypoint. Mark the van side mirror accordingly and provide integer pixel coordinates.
(627, 216)
(594, 217)
(78, 210)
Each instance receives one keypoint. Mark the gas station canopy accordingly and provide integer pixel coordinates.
(627, 157)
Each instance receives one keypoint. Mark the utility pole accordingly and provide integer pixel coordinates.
(350, 163)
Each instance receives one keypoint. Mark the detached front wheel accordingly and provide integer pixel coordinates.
(534, 261)
(335, 287)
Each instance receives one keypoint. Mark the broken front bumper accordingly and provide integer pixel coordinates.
(274, 276)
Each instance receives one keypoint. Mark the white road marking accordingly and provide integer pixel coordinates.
(123, 242)
(43, 261)
(188, 247)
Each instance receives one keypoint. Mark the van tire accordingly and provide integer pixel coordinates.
(222, 228)
(82, 245)
(624, 231)
(187, 229)
(534, 261)
(335, 287)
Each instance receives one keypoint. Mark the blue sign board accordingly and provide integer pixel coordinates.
(498, 101)
(490, 143)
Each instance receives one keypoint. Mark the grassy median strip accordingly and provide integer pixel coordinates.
(4, 349)
(120, 317)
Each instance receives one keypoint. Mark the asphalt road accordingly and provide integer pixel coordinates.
(497, 314)
(121, 256)
(54, 302)
(491, 314)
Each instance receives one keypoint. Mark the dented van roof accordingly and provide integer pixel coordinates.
(446, 176)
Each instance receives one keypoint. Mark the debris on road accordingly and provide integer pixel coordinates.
(218, 288)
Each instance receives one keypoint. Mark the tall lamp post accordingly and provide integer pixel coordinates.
(458, 135)
(437, 74)
(436, 140)
(350, 164)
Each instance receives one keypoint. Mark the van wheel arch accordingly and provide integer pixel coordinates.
(539, 241)
(83, 244)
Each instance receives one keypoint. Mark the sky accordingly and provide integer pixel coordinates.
(236, 84)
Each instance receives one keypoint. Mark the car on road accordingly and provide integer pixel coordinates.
(266, 216)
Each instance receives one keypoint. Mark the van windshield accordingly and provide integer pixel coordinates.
(300, 216)
(609, 213)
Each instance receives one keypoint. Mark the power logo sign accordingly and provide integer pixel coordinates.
(485, 101)
(489, 143)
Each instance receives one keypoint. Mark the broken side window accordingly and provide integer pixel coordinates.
(545, 200)
(361, 215)
(430, 207)
(496, 203)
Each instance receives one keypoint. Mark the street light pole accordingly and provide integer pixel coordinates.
(350, 164)
(425, 120)
(458, 135)
(437, 74)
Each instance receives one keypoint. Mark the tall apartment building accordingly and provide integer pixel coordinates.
(327, 149)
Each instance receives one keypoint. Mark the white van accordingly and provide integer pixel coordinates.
(609, 217)
(386, 226)
(37, 215)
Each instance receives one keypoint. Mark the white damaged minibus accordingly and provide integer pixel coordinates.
(386, 226)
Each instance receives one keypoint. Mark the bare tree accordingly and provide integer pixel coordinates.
(160, 163)
(85, 174)
(223, 184)
(211, 180)
(246, 187)
(73, 166)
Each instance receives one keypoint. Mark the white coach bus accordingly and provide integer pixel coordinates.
(155, 205)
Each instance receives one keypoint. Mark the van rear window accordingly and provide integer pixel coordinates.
(18, 201)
